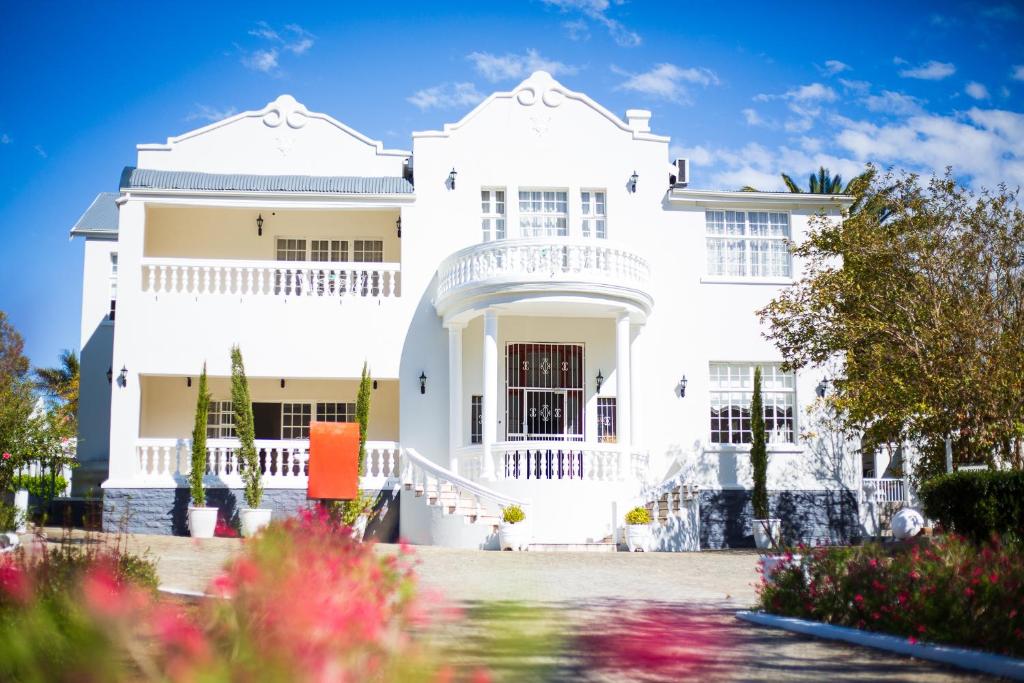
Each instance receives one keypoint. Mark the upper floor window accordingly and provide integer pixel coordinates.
(732, 392)
(113, 286)
(220, 420)
(748, 243)
(336, 412)
(368, 251)
(594, 214)
(296, 249)
(543, 213)
(328, 250)
(291, 249)
(492, 214)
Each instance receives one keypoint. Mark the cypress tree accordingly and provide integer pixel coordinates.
(758, 451)
(245, 430)
(363, 412)
(195, 476)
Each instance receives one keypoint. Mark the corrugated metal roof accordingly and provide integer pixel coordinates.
(145, 178)
(101, 216)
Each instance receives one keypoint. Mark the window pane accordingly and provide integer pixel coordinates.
(543, 213)
(731, 397)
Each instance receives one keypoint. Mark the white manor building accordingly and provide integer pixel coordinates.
(551, 315)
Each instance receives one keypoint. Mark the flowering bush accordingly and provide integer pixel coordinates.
(949, 591)
(512, 514)
(638, 515)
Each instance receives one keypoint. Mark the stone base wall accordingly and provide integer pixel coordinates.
(165, 510)
(811, 517)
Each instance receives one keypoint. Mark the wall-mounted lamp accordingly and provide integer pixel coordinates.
(398, 227)
(188, 381)
(374, 385)
(600, 380)
(259, 225)
(122, 379)
(451, 179)
(822, 387)
(423, 382)
(682, 387)
(110, 375)
(282, 384)
(632, 182)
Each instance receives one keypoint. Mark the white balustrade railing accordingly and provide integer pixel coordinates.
(308, 279)
(435, 480)
(675, 493)
(548, 258)
(557, 460)
(283, 464)
(884, 490)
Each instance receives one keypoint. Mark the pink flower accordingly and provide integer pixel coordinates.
(858, 598)
(7, 456)
(968, 591)
(912, 640)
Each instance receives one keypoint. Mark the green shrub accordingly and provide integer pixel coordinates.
(638, 515)
(39, 485)
(10, 517)
(976, 504)
(513, 514)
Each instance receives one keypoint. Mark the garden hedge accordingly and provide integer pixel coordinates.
(976, 504)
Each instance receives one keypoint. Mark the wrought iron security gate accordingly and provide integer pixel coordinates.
(544, 384)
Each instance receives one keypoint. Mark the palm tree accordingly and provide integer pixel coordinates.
(60, 385)
(821, 183)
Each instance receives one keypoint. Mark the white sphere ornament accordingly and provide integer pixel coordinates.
(906, 523)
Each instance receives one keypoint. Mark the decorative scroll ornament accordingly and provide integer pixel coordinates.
(286, 110)
(545, 365)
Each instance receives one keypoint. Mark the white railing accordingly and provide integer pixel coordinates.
(676, 493)
(972, 468)
(547, 259)
(312, 279)
(557, 460)
(418, 471)
(283, 464)
(884, 490)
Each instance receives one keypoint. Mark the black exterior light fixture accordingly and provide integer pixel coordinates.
(451, 179)
(423, 382)
(374, 385)
(110, 375)
(122, 379)
(600, 380)
(398, 227)
(632, 182)
(822, 387)
(188, 381)
(259, 225)
(682, 387)
(282, 383)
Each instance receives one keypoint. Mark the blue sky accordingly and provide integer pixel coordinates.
(746, 92)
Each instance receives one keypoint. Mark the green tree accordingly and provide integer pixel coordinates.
(822, 182)
(245, 430)
(17, 403)
(60, 386)
(195, 476)
(758, 451)
(921, 298)
(363, 412)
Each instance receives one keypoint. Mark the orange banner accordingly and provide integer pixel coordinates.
(333, 461)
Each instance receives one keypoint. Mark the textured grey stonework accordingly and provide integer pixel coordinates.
(807, 516)
(164, 511)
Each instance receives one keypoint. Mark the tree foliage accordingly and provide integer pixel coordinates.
(758, 451)
(245, 429)
(195, 476)
(363, 412)
(922, 299)
(60, 386)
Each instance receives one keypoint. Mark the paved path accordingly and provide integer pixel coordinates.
(597, 616)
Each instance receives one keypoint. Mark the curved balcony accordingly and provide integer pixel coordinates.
(543, 266)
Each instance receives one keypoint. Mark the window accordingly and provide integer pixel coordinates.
(732, 390)
(336, 412)
(328, 250)
(295, 420)
(368, 251)
(291, 249)
(543, 213)
(220, 420)
(476, 419)
(113, 286)
(492, 209)
(748, 243)
(594, 218)
(607, 421)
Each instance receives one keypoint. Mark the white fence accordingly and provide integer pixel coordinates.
(884, 490)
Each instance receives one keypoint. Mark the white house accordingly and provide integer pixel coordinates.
(551, 314)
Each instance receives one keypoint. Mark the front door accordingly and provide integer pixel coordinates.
(545, 414)
(544, 392)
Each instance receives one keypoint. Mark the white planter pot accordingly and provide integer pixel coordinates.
(769, 563)
(513, 536)
(638, 538)
(761, 537)
(202, 522)
(253, 520)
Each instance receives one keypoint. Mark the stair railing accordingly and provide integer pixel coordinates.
(420, 471)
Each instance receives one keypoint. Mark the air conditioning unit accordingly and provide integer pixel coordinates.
(682, 175)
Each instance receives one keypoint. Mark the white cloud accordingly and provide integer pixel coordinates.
(854, 86)
(513, 66)
(929, 71)
(890, 102)
(5, 139)
(812, 92)
(293, 38)
(753, 118)
(833, 67)
(446, 96)
(205, 112)
(40, 151)
(597, 10)
(261, 60)
(1018, 72)
(977, 90)
(667, 81)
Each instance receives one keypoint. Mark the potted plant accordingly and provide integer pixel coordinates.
(766, 530)
(513, 533)
(638, 530)
(252, 517)
(202, 520)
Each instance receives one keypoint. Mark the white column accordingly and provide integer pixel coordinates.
(636, 378)
(622, 387)
(490, 397)
(455, 407)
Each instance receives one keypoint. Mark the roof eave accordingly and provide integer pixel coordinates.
(686, 196)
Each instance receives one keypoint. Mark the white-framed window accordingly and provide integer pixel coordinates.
(113, 286)
(476, 419)
(492, 214)
(368, 251)
(607, 419)
(220, 420)
(291, 249)
(336, 412)
(595, 213)
(295, 418)
(543, 213)
(328, 250)
(748, 243)
(732, 391)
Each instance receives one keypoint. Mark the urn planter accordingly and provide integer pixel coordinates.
(767, 533)
(513, 536)
(638, 538)
(254, 520)
(202, 522)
